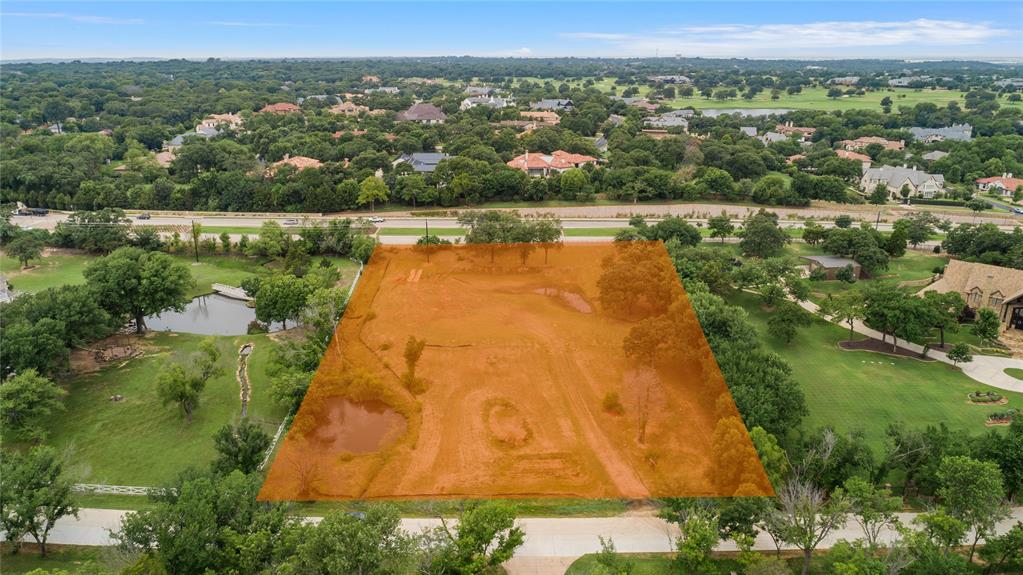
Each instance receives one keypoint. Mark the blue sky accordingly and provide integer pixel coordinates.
(853, 29)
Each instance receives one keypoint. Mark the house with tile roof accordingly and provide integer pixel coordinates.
(788, 129)
(538, 164)
(847, 155)
(864, 141)
(551, 118)
(348, 109)
(1004, 185)
(297, 162)
(424, 113)
(280, 108)
(984, 285)
(232, 121)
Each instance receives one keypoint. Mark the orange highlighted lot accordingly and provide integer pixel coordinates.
(520, 370)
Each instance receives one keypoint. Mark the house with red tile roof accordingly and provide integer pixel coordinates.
(280, 108)
(846, 154)
(788, 129)
(348, 109)
(1004, 185)
(297, 162)
(539, 164)
(864, 141)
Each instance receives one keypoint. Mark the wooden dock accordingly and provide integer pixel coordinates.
(231, 292)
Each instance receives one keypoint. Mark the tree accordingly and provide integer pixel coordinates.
(699, 535)
(960, 353)
(176, 384)
(973, 493)
(281, 297)
(987, 325)
(720, 226)
(610, 562)
(978, 205)
(761, 236)
(196, 232)
(484, 538)
(813, 233)
(872, 508)
(943, 311)
(895, 244)
(34, 494)
(879, 196)
(846, 307)
(372, 190)
(205, 523)
(134, 283)
(886, 104)
(806, 516)
(1004, 554)
(786, 321)
(240, 447)
(344, 544)
(26, 401)
(834, 93)
(25, 248)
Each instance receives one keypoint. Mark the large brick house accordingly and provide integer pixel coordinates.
(984, 285)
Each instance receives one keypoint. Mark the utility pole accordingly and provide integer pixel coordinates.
(878, 221)
(428, 240)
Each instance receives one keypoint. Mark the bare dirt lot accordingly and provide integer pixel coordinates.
(487, 371)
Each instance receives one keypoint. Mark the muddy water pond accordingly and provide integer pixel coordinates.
(357, 427)
(212, 314)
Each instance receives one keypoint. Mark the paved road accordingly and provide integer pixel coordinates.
(551, 544)
(987, 369)
(572, 216)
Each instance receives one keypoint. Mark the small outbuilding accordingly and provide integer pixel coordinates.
(831, 265)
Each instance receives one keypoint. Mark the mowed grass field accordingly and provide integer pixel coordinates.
(140, 441)
(851, 390)
(58, 270)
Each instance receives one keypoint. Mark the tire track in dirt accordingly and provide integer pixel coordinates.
(618, 470)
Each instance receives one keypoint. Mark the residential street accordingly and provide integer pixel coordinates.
(551, 543)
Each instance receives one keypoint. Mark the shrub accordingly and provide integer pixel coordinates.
(985, 397)
(612, 404)
(846, 274)
(818, 274)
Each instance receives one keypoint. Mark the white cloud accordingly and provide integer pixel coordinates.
(85, 19)
(802, 40)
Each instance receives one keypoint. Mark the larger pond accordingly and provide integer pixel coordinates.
(750, 112)
(212, 314)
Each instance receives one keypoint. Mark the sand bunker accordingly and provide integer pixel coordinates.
(483, 371)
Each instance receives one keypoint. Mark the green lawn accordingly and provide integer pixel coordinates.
(66, 557)
(1014, 372)
(662, 564)
(58, 270)
(50, 271)
(864, 390)
(139, 441)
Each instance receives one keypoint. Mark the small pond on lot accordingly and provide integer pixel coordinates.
(212, 314)
(358, 427)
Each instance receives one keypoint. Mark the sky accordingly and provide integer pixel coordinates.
(807, 30)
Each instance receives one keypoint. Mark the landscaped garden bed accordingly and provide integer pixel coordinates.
(987, 398)
(1002, 417)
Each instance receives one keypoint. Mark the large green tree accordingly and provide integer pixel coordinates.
(35, 493)
(26, 401)
(133, 283)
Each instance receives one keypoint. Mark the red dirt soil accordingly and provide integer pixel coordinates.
(522, 343)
